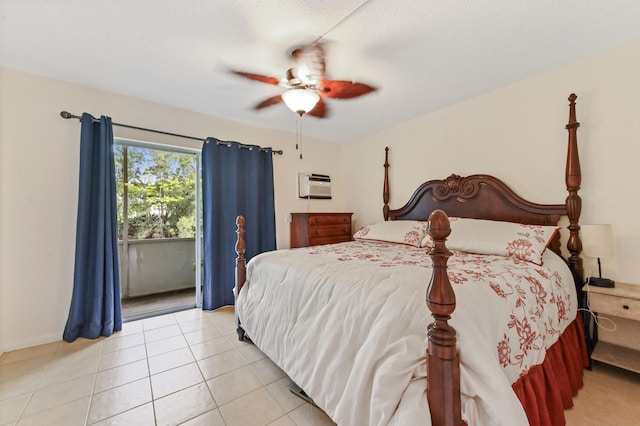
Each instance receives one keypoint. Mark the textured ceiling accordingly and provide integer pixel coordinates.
(422, 54)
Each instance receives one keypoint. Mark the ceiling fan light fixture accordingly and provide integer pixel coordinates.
(300, 100)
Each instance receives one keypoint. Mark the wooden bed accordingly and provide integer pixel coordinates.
(482, 197)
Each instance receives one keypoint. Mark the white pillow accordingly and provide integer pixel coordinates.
(525, 242)
(410, 232)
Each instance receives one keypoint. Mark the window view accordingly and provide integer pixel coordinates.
(161, 193)
(156, 194)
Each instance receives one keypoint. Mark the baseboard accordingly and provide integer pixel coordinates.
(33, 341)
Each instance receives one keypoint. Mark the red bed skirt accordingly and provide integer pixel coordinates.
(547, 389)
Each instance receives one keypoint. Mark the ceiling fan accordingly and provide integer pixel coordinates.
(307, 79)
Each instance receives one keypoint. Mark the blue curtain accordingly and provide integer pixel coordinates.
(235, 181)
(95, 304)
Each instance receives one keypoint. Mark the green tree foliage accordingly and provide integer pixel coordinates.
(161, 192)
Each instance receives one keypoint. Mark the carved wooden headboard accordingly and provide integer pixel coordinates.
(478, 197)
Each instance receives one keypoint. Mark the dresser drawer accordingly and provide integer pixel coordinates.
(623, 307)
(328, 230)
(329, 220)
(316, 241)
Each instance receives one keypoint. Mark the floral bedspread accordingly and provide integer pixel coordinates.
(528, 288)
(366, 302)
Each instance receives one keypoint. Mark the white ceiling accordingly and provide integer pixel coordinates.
(422, 54)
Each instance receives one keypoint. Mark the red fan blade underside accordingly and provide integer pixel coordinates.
(258, 77)
(341, 89)
(269, 101)
(320, 110)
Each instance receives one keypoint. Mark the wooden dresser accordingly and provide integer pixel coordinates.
(312, 229)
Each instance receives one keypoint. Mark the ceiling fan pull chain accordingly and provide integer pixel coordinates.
(300, 135)
(297, 130)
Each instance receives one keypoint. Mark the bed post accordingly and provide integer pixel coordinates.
(443, 368)
(385, 188)
(241, 267)
(573, 179)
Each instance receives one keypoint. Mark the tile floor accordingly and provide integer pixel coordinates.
(182, 368)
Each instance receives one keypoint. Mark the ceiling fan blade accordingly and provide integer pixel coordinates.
(310, 64)
(321, 110)
(257, 77)
(341, 89)
(269, 101)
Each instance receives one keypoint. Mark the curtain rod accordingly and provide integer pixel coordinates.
(67, 115)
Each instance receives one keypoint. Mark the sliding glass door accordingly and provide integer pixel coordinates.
(158, 227)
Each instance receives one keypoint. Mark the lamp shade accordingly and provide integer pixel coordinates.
(300, 100)
(597, 240)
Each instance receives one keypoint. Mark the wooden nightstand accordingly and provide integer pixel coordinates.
(312, 229)
(622, 301)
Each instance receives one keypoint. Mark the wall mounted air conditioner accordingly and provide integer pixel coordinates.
(312, 185)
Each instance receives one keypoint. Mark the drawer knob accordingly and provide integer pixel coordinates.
(625, 306)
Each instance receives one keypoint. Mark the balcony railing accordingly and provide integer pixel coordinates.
(156, 266)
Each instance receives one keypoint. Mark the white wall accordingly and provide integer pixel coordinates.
(517, 134)
(39, 184)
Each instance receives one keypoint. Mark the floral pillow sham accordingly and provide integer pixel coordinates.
(524, 242)
(409, 232)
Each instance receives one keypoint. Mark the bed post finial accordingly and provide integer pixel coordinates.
(385, 188)
(573, 177)
(241, 267)
(442, 358)
(572, 108)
